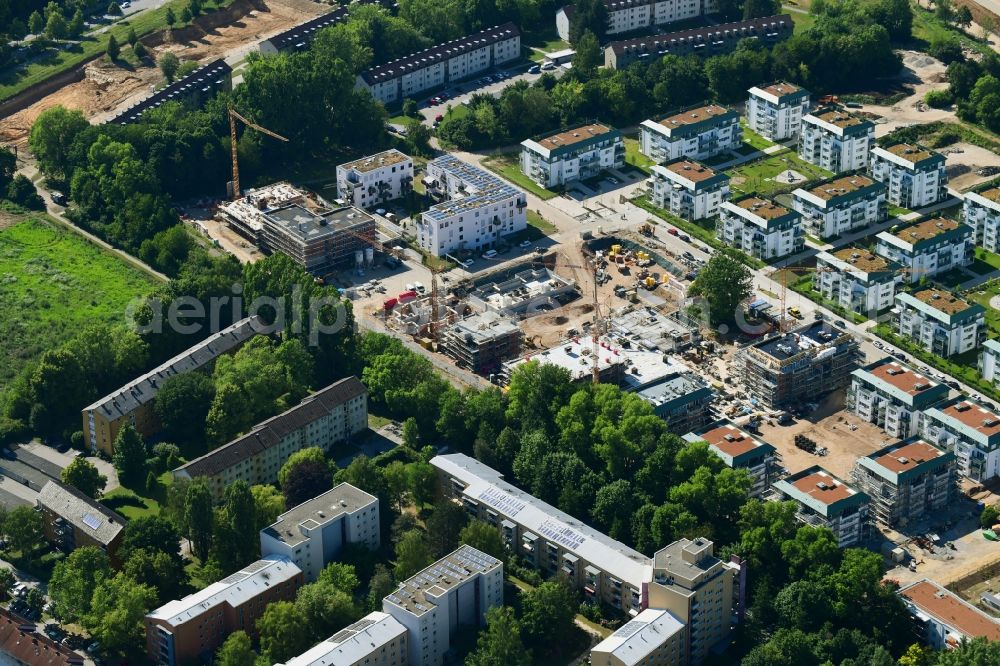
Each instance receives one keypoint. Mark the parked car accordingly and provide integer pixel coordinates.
(8, 454)
(672, 231)
(548, 66)
(59, 198)
(524, 245)
(534, 69)
(685, 238)
(419, 287)
(489, 254)
(688, 255)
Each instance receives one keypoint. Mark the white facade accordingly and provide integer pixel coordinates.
(574, 154)
(760, 228)
(857, 280)
(971, 431)
(688, 189)
(981, 211)
(914, 176)
(927, 248)
(313, 533)
(375, 179)
(377, 639)
(775, 111)
(826, 501)
(946, 618)
(631, 15)
(989, 361)
(893, 396)
(841, 205)
(696, 133)
(940, 322)
(836, 141)
(477, 210)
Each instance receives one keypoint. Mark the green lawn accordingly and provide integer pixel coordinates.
(511, 170)
(134, 505)
(538, 222)
(982, 295)
(987, 257)
(52, 282)
(802, 21)
(896, 211)
(634, 157)
(927, 27)
(757, 177)
(753, 139)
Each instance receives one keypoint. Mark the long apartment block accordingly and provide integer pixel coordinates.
(893, 396)
(943, 618)
(914, 175)
(651, 637)
(968, 429)
(939, 321)
(835, 140)
(981, 211)
(906, 481)
(441, 65)
(740, 450)
(690, 190)
(194, 89)
(927, 248)
(629, 15)
(761, 228)
(841, 204)
(825, 501)
(377, 639)
(775, 111)
(333, 414)
(576, 153)
(697, 133)
(369, 181)
(989, 361)
(857, 280)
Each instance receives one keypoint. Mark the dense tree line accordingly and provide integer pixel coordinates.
(444, 20)
(975, 88)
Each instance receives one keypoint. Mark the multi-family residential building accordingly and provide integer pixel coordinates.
(73, 520)
(945, 619)
(906, 481)
(989, 361)
(857, 279)
(689, 190)
(697, 132)
(377, 639)
(133, 403)
(940, 322)
(440, 65)
(893, 396)
(572, 154)
(651, 637)
(760, 227)
(333, 414)
(482, 342)
(313, 533)
(192, 629)
(775, 111)
(740, 450)
(825, 501)
(970, 430)
(927, 248)
(835, 140)
(455, 591)
(300, 37)
(22, 645)
(704, 41)
(981, 211)
(631, 15)
(475, 208)
(841, 204)
(682, 399)
(914, 176)
(194, 90)
(799, 366)
(369, 181)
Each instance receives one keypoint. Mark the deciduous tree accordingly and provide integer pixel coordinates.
(84, 476)
(500, 642)
(129, 457)
(74, 579)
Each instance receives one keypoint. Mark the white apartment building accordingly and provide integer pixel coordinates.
(835, 140)
(841, 204)
(915, 176)
(631, 15)
(573, 154)
(893, 396)
(927, 248)
(940, 322)
(372, 180)
(313, 533)
(456, 591)
(857, 280)
(652, 637)
(377, 639)
(971, 431)
(689, 190)
(440, 65)
(981, 211)
(697, 133)
(476, 208)
(761, 228)
(775, 111)
(946, 619)
(740, 450)
(826, 501)
(989, 361)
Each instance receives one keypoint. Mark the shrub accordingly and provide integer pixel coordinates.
(938, 99)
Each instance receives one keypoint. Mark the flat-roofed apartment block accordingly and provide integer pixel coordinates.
(740, 450)
(313, 533)
(981, 211)
(545, 537)
(689, 190)
(906, 481)
(133, 403)
(372, 180)
(333, 414)
(893, 396)
(630, 15)
(73, 520)
(799, 366)
(944, 620)
(193, 90)
(436, 603)
(377, 639)
(192, 629)
(836, 140)
(857, 279)
(989, 361)
(704, 41)
(482, 342)
(775, 111)
(442, 64)
(927, 248)
(940, 322)
(572, 154)
(825, 501)
(970, 430)
(476, 208)
(681, 399)
(915, 176)
(841, 204)
(697, 132)
(760, 227)
(651, 637)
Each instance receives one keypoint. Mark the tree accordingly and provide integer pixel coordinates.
(236, 651)
(198, 517)
(132, 40)
(896, 16)
(418, 137)
(36, 23)
(169, 63)
(396, 483)
(84, 476)
(182, 405)
(988, 518)
(76, 24)
(413, 553)
(484, 537)
(113, 49)
(170, 17)
(269, 503)
(411, 433)
(590, 15)
(139, 51)
(158, 570)
(915, 655)
(284, 632)
(240, 510)
(989, 26)
(25, 529)
(588, 55)
(501, 642)
(186, 15)
(549, 612)
(944, 9)
(305, 481)
(312, 453)
(114, 9)
(379, 587)
(74, 579)
(117, 610)
(151, 533)
(129, 456)
(7, 580)
(963, 16)
(445, 526)
(977, 652)
(725, 282)
(35, 599)
(51, 137)
(325, 607)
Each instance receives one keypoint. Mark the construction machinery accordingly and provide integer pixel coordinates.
(234, 115)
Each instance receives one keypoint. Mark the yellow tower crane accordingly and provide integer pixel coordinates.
(234, 115)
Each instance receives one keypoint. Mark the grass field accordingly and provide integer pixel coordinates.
(754, 140)
(802, 21)
(634, 157)
(52, 282)
(511, 170)
(758, 177)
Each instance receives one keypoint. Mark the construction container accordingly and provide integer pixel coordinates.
(389, 303)
(407, 296)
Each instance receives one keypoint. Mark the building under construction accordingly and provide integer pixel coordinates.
(482, 342)
(524, 294)
(797, 367)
